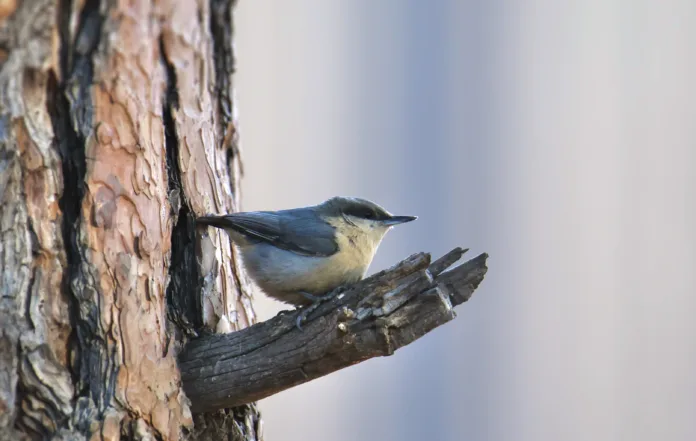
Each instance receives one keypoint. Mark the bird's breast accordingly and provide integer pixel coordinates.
(354, 251)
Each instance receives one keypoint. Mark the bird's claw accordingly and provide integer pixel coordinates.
(316, 301)
(300, 318)
(311, 297)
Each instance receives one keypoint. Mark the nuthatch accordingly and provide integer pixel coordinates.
(297, 255)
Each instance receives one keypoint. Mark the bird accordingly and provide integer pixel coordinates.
(298, 256)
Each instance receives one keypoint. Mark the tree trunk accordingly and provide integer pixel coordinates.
(116, 129)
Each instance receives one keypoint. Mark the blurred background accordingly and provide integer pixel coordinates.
(560, 137)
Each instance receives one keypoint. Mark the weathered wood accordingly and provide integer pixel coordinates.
(374, 317)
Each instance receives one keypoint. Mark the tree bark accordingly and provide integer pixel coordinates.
(116, 129)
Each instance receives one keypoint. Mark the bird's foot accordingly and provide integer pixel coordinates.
(282, 312)
(316, 302)
(311, 297)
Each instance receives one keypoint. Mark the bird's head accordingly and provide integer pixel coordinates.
(361, 216)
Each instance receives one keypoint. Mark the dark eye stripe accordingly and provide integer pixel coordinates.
(365, 212)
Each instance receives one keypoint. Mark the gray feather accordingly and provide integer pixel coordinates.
(300, 230)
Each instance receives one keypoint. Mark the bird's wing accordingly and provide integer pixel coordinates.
(300, 231)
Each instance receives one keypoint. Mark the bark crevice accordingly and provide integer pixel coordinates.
(183, 305)
(71, 110)
(222, 31)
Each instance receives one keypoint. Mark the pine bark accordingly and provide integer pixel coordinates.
(117, 128)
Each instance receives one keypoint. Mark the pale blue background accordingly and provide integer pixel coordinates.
(560, 137)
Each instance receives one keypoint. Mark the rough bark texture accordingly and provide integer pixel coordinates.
(117, 128)
(372, 318)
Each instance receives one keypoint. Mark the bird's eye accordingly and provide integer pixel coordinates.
(368, 215)
(362, 213)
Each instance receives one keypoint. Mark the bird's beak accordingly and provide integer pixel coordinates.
(396, 220)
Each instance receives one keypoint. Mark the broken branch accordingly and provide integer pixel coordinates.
(374, 317)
